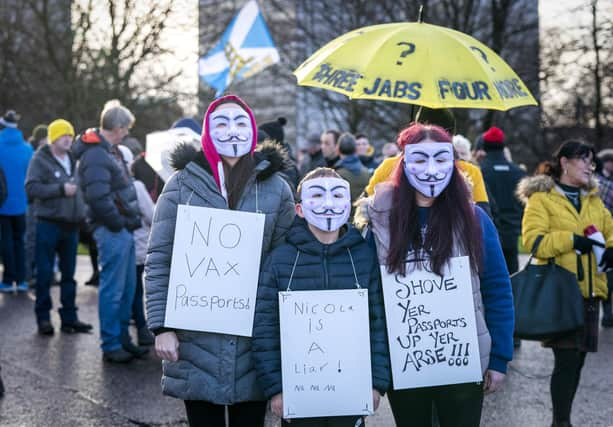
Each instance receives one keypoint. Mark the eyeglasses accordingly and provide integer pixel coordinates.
(587, 161)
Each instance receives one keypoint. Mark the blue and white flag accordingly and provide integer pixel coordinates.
(245, 49)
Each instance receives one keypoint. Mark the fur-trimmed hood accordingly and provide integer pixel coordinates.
(542, 184)
(270, 157)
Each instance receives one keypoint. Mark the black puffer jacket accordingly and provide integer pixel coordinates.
(106, 184)
(319, 267)
(501, 178)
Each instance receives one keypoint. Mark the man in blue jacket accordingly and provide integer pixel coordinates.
(15, 155)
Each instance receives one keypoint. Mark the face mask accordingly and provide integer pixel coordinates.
(231, 131)
(428, 166)
(326, 202)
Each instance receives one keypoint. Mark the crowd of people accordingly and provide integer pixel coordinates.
(335, 212)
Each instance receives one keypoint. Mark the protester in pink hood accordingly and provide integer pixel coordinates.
(213, 373)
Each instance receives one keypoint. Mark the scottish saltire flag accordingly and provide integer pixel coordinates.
(245, 49)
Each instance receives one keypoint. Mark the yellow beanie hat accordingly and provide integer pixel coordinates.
(57, 128)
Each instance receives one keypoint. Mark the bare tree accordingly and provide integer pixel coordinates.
(576, 65)
(73, 56)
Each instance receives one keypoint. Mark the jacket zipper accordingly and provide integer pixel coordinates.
(325, 264)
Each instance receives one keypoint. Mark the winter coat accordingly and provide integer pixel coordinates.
(501, 178)
(492, 296)
(15, 155)
(213, 367)
(106, 184)
(141, 235)
(549, 213)
(351, 169)
(319, 267)
(45, 186)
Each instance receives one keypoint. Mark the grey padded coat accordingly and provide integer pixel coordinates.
(213, 367)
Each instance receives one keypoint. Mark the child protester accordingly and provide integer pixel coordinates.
(322, 252)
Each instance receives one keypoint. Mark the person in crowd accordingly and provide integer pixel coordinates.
(421, 218)
(478, 153)
(142, 170)
(141, 235)
(472, 173)
(366, 152)
(501, 178)
(113, 214)
(38, 137)
(274, 131)
(559, 206)
(51, 184)
(213, 372)
(389, 149)
(15, 155)
(329, 146)
(296, 265)
(314, 157)
(461, 146)
(350, 168)
(605, 188)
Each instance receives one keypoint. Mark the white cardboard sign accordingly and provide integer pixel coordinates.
(431, 326)
(325, 353)
(161, 144)
(214, 270)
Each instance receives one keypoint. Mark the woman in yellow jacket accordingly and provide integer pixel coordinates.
(559, 206)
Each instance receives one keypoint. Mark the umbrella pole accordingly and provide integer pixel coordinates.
(420, 16)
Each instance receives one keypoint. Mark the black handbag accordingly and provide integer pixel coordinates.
(547, 299)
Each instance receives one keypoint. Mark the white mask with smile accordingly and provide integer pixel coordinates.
(428, 166)
(231, 131)
(326, 202)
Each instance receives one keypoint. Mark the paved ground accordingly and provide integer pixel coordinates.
(62, 381)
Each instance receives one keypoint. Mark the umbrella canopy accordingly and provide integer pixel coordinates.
(415, 63)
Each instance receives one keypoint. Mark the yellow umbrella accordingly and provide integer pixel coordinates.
(415, 63)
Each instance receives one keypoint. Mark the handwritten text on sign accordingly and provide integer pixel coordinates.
(214, 270)
(431, 326)
(325, 353)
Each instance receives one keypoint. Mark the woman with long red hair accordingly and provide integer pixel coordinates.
(420, 219)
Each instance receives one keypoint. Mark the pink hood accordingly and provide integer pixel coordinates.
(210, 152)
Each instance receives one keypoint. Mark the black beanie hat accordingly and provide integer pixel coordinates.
(274, 129)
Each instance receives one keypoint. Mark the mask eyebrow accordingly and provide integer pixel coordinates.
(442, 152)
(337, 187)
(319, 187)
(241, 116)
(221, 116)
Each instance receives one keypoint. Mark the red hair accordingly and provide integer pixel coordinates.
(451, 215)
(417, 132)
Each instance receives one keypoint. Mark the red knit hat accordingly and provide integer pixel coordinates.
(493, 138)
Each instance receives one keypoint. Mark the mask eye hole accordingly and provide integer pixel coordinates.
(419, 161)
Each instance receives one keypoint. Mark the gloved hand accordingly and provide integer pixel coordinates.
(607, 259)
(582, 244)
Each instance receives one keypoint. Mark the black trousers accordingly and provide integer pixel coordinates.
(457, 405)
(511, 258)
(12, 245)
(564, 381)
(205, 414)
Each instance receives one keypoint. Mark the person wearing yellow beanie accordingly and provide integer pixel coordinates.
(58, 128)
(52, 186)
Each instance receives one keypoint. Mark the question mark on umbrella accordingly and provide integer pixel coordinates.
(409, 50)
(483, 55)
